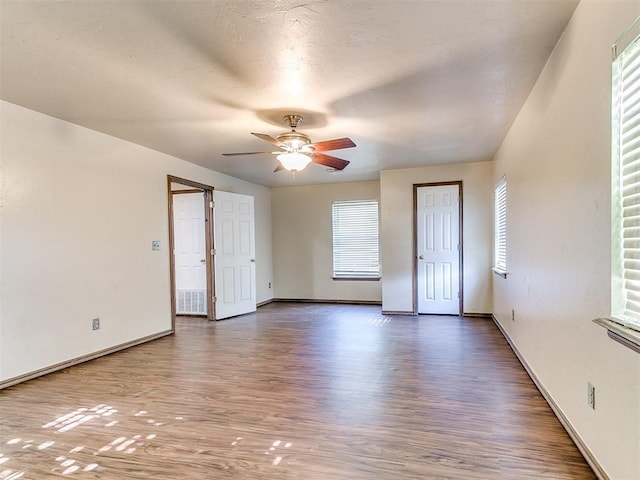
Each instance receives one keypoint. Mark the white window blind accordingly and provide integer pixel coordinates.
(626, 186)
(355, 239)
(500, 226)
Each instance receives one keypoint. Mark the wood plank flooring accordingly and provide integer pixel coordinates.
(295, 391)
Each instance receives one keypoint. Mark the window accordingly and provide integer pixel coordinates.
(500, 227)
(355, 239)
(625, 264)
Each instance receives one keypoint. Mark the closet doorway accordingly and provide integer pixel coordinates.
(191, 247)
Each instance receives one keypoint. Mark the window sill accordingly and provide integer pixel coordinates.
(365, 279)
(626, 336)
(500, 273)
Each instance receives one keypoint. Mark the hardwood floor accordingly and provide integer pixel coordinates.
(295, 391)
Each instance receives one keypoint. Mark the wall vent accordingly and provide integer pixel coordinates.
(191, 302)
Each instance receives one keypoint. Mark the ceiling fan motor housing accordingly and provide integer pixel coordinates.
(295, 141)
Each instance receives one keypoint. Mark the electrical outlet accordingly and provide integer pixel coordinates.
(95, 324)
(269, 284)
(155, 245)
(513, 315)
(591, 395)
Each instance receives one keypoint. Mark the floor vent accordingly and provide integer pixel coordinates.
(191, 301)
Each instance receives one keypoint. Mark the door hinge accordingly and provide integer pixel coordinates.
(212, 204)
(214, 299)
(213, 251)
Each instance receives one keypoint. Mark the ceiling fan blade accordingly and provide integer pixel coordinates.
(329, 161)
(278, 168)
(246, 153)
(336, 144)
(269, 138)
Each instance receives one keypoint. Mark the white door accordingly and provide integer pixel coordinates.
(189, 253)
(438, 254)
(235, 267)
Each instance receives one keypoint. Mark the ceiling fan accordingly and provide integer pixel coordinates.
(297, 151)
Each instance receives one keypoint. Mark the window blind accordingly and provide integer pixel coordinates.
(355, 239)
(626, 153)
(500, 226)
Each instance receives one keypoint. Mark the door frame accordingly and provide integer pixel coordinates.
(202, 194)
(208, 218)
(458, 183)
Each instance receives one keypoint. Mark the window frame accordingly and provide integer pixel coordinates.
(500, 227)
(625, 267)
(365, 270)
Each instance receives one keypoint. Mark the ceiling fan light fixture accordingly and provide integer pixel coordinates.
(294, 161)
(296, 150)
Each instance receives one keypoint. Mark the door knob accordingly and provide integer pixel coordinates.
(203, 261)
(421, 257)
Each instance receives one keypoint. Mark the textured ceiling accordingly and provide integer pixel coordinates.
(412, 82)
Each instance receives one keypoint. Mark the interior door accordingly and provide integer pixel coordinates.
(189, 253)
(438, 249)
(235, 268)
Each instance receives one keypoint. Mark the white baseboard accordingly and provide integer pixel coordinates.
(78, 360)
(327, 300)
(564, 421)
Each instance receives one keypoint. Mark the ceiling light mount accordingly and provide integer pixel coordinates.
(293, 121)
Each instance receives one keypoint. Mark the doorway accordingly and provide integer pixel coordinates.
(438, 248)
(190, 248)
(189, 257)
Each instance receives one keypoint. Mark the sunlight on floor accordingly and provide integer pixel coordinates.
(88, 417)
(68, 463)
(274, 446)
(379, 322)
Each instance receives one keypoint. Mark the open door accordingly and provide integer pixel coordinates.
(235, 267)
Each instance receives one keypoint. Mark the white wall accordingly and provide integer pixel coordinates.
(79, 210)
(396, 193)
(557, 161)
(302, 242)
